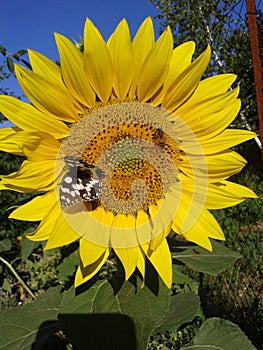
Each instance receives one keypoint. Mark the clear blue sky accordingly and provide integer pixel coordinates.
(30, 24)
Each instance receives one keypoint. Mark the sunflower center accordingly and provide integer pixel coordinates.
(135, 146)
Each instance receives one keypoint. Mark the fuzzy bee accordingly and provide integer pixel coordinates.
(159, 137)
(81, 183)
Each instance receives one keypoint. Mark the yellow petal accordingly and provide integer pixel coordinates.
(97, 62)
(96, 226)
(123, 231)
(181, 59)
(216, 195)
(84, 274)
(6, 132)
(216, 102)
(47, 95)
(142, 44)
(186, 82)
(213, 86)
(209, 118)
(128, 258)
(120, 48)
(46, 226)
(35, 146)
(161, 260)
(74, 77)
(155, 66)
(44, 66)
(156, 241)
(227, 139)
(11, 141)
(191, 197)
(28, 118)
(161, 222)
(90, 252)
(191, 200)
(219, 166)
(31, 177)
(226, 194)
(3, 186)
(205, 226)
(11, 148)
(143, 227)
(141, 263)
(62, 233)
(36, 209)
(224, 165)
(46, 149)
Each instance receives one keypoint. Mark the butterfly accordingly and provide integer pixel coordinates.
(81, 183)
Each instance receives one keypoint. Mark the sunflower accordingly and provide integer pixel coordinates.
(124, 144)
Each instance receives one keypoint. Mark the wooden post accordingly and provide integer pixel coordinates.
(253, 36)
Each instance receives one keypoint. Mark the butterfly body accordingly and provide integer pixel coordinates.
(81, 183)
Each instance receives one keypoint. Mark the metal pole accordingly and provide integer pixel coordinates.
(253, 35)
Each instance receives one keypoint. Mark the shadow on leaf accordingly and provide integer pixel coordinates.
(99, 331)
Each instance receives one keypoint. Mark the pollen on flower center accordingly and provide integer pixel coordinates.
(139, 175)
(134, 146)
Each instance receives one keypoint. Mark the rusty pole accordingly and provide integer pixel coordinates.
(253, 36)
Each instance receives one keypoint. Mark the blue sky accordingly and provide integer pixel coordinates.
(30, 24)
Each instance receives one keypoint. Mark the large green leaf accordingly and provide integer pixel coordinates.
(68, 266)
(27, 327)
(98, 319)
(200, 259)
(183, 308)
(219, 334)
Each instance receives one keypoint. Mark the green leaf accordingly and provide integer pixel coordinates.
(200, 259)
(26, 63)
(6, 285)
(5, 245)
(68, 266)
(179, 277)
(15, 56)
(219, 334)
(183, 308)
(27, 247)
(121, 321)
(10, 64)
(30, 266)
(21, 52)
(2, 50)
(30, 323)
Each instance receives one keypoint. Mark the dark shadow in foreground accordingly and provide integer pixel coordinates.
(96, 332)
(99, 331)
(49, 337)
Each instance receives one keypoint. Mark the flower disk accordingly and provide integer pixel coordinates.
(128, 145)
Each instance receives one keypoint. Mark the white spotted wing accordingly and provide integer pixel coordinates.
(81, 183)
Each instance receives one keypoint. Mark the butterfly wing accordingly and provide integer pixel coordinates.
(78, 184)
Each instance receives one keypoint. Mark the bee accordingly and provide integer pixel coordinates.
(81, 183)
(159, 137)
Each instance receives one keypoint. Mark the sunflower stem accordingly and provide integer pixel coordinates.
(18, 277)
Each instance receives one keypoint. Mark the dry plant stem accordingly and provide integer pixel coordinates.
(18, 278)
